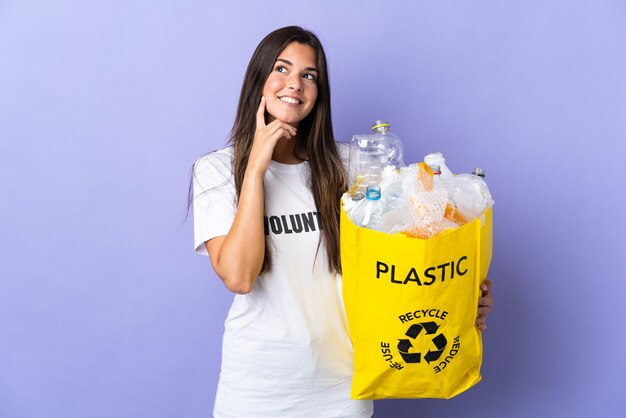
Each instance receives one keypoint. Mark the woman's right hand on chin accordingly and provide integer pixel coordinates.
(265, 138)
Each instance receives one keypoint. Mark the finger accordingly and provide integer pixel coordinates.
(481, 320)
(485, 301)
(482, 325)
(277, 124)
(291, 129)
(277, 121)
(260, 114)
(484, 311)
(486, 287)
(279, 133)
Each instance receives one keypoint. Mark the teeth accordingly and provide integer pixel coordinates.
(289, 100)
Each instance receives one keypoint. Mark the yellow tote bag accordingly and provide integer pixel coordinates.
(411, 307)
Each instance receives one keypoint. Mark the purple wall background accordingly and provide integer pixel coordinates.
(106, 312)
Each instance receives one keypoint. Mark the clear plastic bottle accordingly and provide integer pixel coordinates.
(369, 211)
(392, 143)
(370, 154)
(438, 159)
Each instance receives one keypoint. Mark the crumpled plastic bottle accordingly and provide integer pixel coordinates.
(470, 195)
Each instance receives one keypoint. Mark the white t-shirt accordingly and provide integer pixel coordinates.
(286, 350)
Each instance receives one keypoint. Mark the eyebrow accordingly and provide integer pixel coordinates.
(289, 63)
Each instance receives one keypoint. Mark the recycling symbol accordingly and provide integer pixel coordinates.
(405, 345)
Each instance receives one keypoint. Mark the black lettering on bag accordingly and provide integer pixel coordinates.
(393, 275)
(412, 277)
(428, 274)
(458, 265)
(381, 268)
(442, 267)
(455, 268)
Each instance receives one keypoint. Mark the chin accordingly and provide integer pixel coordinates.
(291, 119)
(290, 116)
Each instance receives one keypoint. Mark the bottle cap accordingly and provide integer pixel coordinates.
(372, 193)
(435, 168)
(380, 125)
(478, 172)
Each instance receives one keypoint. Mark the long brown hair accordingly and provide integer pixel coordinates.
(316, 139)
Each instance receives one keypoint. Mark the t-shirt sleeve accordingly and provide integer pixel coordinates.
(213, 198)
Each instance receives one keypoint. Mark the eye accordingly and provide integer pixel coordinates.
(281, 69)
(309, 76)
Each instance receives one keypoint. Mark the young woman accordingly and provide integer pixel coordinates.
(266, 211)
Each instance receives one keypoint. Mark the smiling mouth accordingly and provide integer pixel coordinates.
(291, 100)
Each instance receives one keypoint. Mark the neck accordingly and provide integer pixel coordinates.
(285, 151)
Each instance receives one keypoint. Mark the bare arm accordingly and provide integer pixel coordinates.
(238, 256)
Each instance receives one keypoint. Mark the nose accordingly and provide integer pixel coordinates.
(295, 82)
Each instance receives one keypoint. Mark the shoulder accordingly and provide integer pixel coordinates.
(214, 169)
(219, 160)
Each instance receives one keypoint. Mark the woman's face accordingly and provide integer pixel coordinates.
(290, 90)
